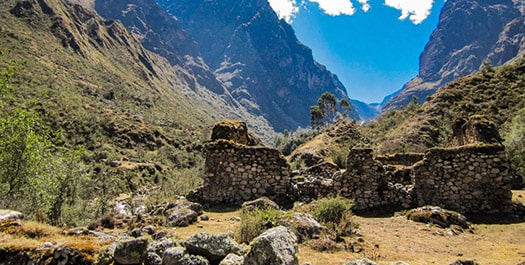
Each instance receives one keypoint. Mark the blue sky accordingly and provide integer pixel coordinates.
(372, 45)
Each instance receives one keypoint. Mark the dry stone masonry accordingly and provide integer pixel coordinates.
(235, 173)
(469, 178)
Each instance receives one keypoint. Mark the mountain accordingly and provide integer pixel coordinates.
(366, 111)
(257, 57)
(469, 32)
(95, 81)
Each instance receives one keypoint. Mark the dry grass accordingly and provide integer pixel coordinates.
(391, 239)
(32, 236)
(221, 221)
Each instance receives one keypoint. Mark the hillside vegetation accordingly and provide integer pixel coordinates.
(496, 93)
(89, 85)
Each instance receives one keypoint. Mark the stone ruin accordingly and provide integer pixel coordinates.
(237, 171)
(469, 178)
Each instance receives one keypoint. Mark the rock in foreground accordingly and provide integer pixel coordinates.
(277, 246)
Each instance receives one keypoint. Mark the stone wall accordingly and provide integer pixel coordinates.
(406, 159)
(469, 178)
(472, 178)
(235, 173)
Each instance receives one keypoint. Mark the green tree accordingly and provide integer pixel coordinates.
(316, 117)
(345, 107)
(35, 175)
(327, 104)
(515, 143)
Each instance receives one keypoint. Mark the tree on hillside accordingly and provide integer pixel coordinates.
(515, 143)
(327, 104)
(326, 111)
(35, 175)
(345, 107)
(316, 117)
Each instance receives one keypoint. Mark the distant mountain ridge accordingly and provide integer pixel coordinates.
(469, 32)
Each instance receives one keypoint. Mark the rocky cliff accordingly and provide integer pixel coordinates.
(257, 57)
(469, 32)
(160, 33)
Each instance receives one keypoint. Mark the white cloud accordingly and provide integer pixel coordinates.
(415, 10)
(336, 7)
(285, 9)
(365, 6)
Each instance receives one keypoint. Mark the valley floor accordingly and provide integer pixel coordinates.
(493, 241)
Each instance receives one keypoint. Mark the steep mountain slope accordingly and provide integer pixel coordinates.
(95, 80)
(257, 57)
(160, 33)
(469, 32)
(496, 93)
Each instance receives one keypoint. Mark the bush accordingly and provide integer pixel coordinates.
(336, 214)
(515, 143)
(332, 210)
(255, 222)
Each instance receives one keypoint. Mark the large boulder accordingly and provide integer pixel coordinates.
(306, 226)
(277, 246)
(131, 250)
(160, 246)
(260, 203)
(436, 215)
(173, 256)
(182, 212)
(213, 247)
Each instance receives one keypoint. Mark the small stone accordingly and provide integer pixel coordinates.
(205, 218)
(149, 229)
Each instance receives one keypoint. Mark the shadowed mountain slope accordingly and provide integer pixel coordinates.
(258, 58)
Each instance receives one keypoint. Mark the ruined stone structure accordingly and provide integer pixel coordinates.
(469, 178)
(235, 173)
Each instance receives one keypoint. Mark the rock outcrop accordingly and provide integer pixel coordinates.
(182, 212)
(10, 215)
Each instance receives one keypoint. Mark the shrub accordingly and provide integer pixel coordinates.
(332, 210)
(336, 214)
(255, 222)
